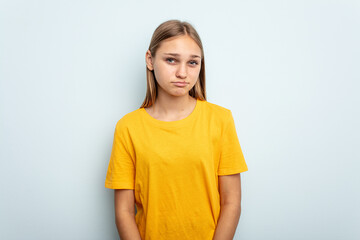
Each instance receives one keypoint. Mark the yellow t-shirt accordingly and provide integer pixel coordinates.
(173, 168)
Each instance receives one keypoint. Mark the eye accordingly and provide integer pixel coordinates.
(194, 63)
(170, 60)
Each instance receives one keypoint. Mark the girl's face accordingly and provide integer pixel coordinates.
(176, 65)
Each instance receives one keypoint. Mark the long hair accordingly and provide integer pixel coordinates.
(168, 29)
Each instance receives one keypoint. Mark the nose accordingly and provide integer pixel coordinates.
(181, 71)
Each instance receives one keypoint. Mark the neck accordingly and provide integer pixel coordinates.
(171, 105)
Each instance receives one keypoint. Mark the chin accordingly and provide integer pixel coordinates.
(180, 94)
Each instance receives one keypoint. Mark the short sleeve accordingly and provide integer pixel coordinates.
(121, 169)
(231, 158)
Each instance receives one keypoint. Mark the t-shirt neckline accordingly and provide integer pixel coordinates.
(175, 123)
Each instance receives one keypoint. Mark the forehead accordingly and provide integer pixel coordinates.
(182, 45)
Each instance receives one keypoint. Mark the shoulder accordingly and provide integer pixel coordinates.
(216, 115)
(129, 119)
(216, 110)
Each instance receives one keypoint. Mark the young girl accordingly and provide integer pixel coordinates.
(177, 157)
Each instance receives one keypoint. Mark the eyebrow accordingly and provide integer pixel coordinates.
(177, 55)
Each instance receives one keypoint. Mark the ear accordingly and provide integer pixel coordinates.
(149, 59)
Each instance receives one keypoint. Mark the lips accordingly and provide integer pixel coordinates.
(180, 84)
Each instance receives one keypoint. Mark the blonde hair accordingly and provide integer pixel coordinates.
(168, 29)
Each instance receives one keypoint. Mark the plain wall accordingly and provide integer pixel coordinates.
(288, 70)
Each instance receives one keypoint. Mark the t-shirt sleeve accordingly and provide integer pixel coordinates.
(121, 169)
(231, 158)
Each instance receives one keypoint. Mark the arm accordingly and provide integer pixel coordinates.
(230, 207)
(125, 214)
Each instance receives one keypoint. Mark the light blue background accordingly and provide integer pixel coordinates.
(288, 70)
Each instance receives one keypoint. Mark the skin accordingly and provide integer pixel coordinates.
(230, 206)
(175, 103)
